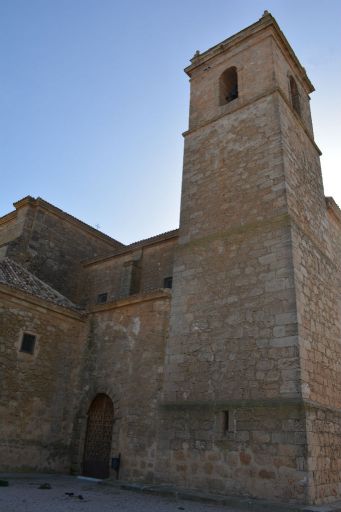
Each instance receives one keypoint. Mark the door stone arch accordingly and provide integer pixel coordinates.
(98, 438)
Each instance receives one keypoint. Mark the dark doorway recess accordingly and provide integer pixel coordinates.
(97, 448)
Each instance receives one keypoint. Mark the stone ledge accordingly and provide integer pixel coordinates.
(160, 293)
(242, 403)
(249, 403)
(250, 229)
(239, 106)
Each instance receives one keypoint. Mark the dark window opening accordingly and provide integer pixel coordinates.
(168, 282)
(295, 97)
(228, 421)
(102, 298)
(228, 86)
(27, 343)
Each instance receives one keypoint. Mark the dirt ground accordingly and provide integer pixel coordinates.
(69, 494)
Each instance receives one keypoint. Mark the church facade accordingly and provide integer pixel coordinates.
(207, 357)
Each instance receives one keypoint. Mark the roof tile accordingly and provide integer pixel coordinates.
(15, 276)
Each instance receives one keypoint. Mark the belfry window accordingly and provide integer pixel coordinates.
(228, 86)
(295, 97)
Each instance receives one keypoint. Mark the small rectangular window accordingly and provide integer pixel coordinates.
(27, 343)
(168, 282)
(102, 298)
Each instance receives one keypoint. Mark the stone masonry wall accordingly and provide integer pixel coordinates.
(249, 60)
(232, 214)
(261, 453)
(320, 351)
(239, 347)
(304, 187)
(157, 264)
(324, 454)
(283, 69)
(233, 325)
(104, 277)
(111, 276)
(234, 347)
(124, 358)
(317, 280)
(38, 393)
(11, 228)
(52, 248)
(317, 283)
(230, 383)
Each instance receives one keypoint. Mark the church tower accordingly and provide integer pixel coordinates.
(244, 374)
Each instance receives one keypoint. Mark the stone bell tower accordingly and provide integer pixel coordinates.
(237, 393)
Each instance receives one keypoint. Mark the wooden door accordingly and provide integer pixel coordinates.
(97, 448)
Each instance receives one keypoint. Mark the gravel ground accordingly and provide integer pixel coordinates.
(23, 495)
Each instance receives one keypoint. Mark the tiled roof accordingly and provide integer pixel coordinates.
(15, 276)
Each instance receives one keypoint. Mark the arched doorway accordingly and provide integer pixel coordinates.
(97, 449)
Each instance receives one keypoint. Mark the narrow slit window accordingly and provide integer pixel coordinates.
(27, 343)
(228, 421)
(228, 86)
(102, 298)
(295, 97)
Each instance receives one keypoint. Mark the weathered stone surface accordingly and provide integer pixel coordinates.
(51, 244)
(39, 391)
(230, 383)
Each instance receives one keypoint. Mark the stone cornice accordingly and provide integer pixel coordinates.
(137, 246)
(237, 404)
(266, 22)
(219, 405)
(39, 202)
(160, 294)
(9, 216)
(249, 228)
(240, 106)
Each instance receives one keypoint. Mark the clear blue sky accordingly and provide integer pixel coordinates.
(94, 100)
